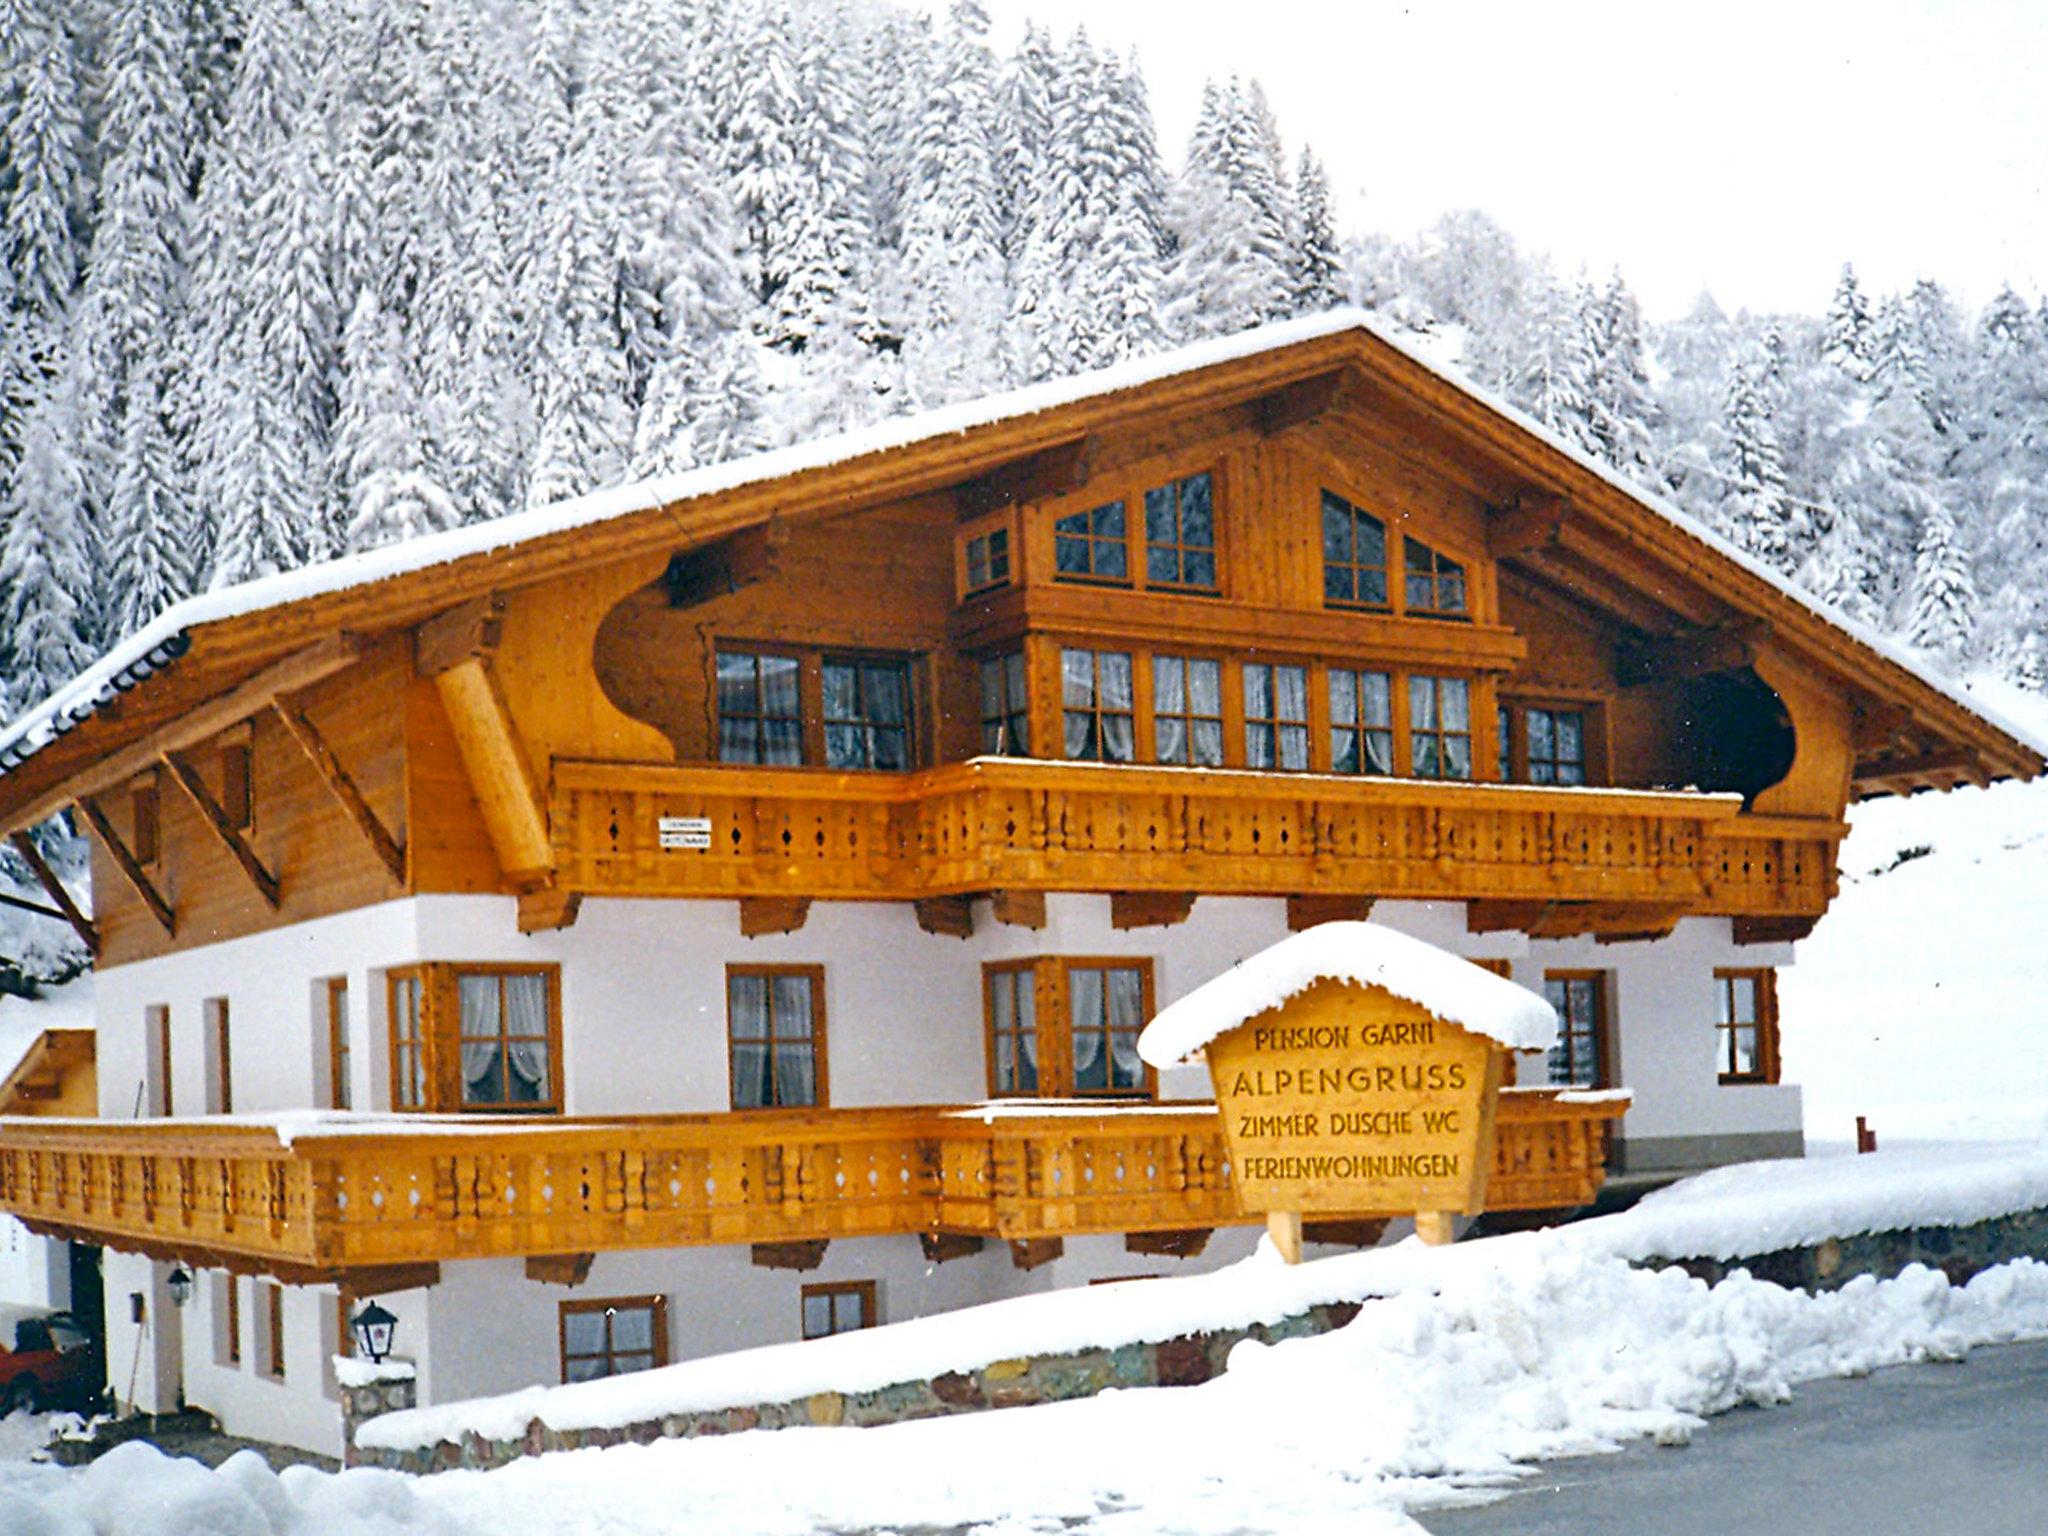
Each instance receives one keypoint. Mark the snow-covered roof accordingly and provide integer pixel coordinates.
(160, 643)
(1370, 955)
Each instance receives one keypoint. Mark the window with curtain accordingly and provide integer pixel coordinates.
(1434, 586)
(1012, 1005)
(1746, 1033)
(1553, 743)
(1275, 716)
(503, 1042)
(1105, 1012)
(1187, 711)
(1361, 722)
(1092, 545)
(760, 708)
(1005, 710)
(1180, 533)
(475, 1037)
(1354, 554)
(775, 1031)
(1439, 727)
(1097, 696)
(867, 713)
(611, 1337)
(1576, 1060)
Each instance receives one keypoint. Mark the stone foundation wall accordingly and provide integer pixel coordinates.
(1958, 1252)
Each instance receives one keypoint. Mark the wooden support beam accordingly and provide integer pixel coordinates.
(1435, 1227)
(386, 1279)
(1612, 921)
(328, 769)
(1529, 524)
(1052, 471)
(772, 914)
(1347, 1232)
(570, 1269)
(1149, 909)
(805, 1255)
(467, 632)
(224, 831)
(138, 880)
(1688, 653)
(1030, 1252)
(1311, 911)
(949, 915)
(1773, 930)
(1284, 1228)
(721, 569)
(46, 877)
(548, 908)
(1875, 728)
(941, 1247)
(1020, 909)
(1173, 1243)
(1928, 770)
(1298, 403)
(501, 778)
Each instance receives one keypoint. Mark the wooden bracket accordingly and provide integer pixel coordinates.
(468, 632)
(548, 908)
(718, 570)
(1050, 472)
(328, 769)
(1298, 403)
(1149, 909)
(1311, 911)
(1611, 922)
(570, 1269)
(1530, 524)
(940, 1247)
(1173, 1243)
(385, 1279)
(1689, 653)
(807, 1254)
(950, 915)
(773, 914)
(1773, 930)
(1284, 1228)
(1877, 727)
(1030, 1252)
(1347, 1232)
(502, 780)
(46, 877)
(224, 831)
(132, 872)
(1020, 909)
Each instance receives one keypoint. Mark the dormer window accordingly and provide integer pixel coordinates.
(1180, 534)
(1354, 555)
(1434, 585)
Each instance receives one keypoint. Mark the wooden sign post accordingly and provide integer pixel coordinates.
(1348, 1100)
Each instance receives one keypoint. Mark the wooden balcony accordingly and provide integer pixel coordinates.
(1011, 824)
(338, 1194)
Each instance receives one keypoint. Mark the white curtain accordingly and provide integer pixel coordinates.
(1084, 1011)
(481, 1035)
(796, 1059)
(526, 1015)
(748, 1011)
(1126, 1017)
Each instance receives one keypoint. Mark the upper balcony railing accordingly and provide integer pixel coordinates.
(336, 1193)
(1018, 824)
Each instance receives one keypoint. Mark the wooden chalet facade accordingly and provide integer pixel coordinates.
(662, 883)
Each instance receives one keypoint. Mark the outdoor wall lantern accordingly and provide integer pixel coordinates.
(179, 1283)
(373, 1327)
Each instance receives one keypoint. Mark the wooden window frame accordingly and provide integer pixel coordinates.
(803, 719)
(157, 1020)
(1406, 727)
(1008, 970)
(1357, 726)
(1273, 665)
(1185, 715)
(1130, 488)
(1178, 546)
(1015, 708)
(340, 1091)
(657, 1308)
(1765, 1024)
(1088, 539)
(1512, 712)
(821, 1097)
(810, 663)
(1436, 576)
(862, 662)
(829, 1291)
(997, 543)
(1054, 1023)
(270, 1311)
(1602, 1032)
(440, 1035)
(1387, 567)
(231, 1323)
(1095, 710)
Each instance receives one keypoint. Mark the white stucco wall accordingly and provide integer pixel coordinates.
(34, 1271)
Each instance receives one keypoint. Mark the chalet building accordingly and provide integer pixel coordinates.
(722, 910)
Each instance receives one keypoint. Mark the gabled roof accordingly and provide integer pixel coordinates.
(214, 641)
(38, 1078)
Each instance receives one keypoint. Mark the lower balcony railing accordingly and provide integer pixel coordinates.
(312, 1197)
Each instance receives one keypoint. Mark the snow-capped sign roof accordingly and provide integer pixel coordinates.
(1370, 955)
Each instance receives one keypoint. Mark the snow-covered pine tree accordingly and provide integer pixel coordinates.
(1230, 146)
(1942, 594)
(1753, 512)
(825, 258)
(149, 548)
(1317, 260)
(262, 485)
(1024, 125)
(379, 445)
(42, 148)
(1846, 339)
(1221, 278)
(1618, 386)
(46, 568)
(1553, 374)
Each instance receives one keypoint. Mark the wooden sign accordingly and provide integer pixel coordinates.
(1347, 1100)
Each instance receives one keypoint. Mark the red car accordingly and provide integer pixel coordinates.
(53, 1362)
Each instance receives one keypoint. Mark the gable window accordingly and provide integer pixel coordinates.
(1275, 716)
(1107, 1005)
(1187, 711)
(1092, 545)
(1012, 1003)
(1746, 1033)
(613, 1336)
(143, 807)
(775, 1031)
(237, 785)
(1005, 711)
(988, 560)
(867, 714)
(760, 708)
(1361, 722)
(1578, 1059)
(1433, 585)
(1180, 534)
(1439, 727)
(842, 1306)
(1354, 554)
(475, 1037)
(1541, 744)
(1099, 718)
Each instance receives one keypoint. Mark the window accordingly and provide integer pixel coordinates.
(1096, 690)
(867, 714)
(988, 560)
(337, 1043)
(1746, 1039)
(775, 1028)
(1578, 1059)
(1187, 711)
(142, 802)
(1275, 716)
(237, 793)
(1005, 712)
(220, 1064)
(1354, 554)
(760, 708)
(611, 1337)
(227, 1319)
(1092, 545)
(840, 1307)
(156, 1019)
(1180, 534)
(1012, 1003)
(1361, 722)
(1107, 1004)
(1434, 585)
(270, 1323)
(476, 1037)
(1439, 727)
(505, 1041)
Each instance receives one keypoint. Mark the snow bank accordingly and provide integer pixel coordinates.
(1370, 955)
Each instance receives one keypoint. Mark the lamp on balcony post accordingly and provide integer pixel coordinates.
(373, 1327)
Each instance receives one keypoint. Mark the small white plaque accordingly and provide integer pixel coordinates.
(685, 834)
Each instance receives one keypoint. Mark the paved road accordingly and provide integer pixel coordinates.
(1958, 1450)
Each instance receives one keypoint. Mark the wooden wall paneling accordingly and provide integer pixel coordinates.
(327, 765)
(1817, 784)
(187, 777)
